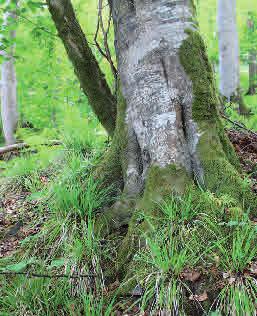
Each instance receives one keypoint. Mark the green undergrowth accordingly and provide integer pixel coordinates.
(196, 233)
(66, 243)
(249, 121)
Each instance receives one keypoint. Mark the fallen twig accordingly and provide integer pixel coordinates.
(238, 124)
(38, 275)
(20, 146)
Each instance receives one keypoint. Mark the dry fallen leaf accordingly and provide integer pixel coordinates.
(190, 275)
(200, 298)
(226, 275)
(231, 280)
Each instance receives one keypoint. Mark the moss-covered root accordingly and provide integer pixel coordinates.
(116, 217)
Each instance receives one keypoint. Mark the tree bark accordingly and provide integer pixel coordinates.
(9, 111)
(252, 73)
(169, 131)
(229, 55)
(91, 78)
(228, 47)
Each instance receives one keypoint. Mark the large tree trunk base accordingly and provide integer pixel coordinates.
(225, 199)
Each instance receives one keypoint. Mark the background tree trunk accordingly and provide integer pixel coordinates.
(252, 73)
(229, 57)
(9, 111)
(86, 68)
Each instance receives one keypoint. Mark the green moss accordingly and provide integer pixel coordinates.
(205, 104)
(162, 182)
(228, 147)
(224, 179)
(217, 155)
(196, 64)
(112, 166)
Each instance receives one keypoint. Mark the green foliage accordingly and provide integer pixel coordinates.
(243, 243)
(80, 134)
(66, 244)
(42, 296)
(239, 299)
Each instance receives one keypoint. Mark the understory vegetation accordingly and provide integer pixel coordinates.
(69, 269)
(194, 253)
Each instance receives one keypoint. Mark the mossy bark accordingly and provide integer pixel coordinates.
(199, 151)
(220, 163)
(85, 65)
(169, 134)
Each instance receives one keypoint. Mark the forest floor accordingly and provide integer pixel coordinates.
(19, 218)
(18, 212)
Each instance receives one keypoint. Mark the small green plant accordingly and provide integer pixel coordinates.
(159, 264)
(79, 134)
(238, 250)
(239, 298)
(179, 209)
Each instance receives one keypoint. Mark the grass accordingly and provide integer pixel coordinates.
(180, 237)
(185, 234)
(240, 248)
(65, 244)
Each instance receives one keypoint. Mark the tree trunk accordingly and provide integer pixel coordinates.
(228, 47)
(169, 133)
(252, 73)
(91, 78)
(9, 110)
(229, 56)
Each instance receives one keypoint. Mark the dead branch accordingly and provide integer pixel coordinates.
(235, 123)
(100, 26)
(20, 146)
(38, 275)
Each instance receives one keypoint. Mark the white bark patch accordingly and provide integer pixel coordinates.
(9, 112)
(228, 48)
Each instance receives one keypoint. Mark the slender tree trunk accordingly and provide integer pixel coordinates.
(91, 78)
(9, 110)
(229, 59)
(252, 73)
(228, 47)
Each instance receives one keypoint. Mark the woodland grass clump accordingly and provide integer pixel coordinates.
(189, 246)
(66, 244)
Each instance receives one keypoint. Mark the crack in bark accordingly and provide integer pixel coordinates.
(165, 71)
(134, 182)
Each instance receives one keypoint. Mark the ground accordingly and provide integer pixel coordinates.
(22, 220)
